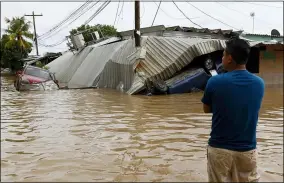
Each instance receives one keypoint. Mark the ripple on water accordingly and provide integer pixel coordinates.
(103, 135)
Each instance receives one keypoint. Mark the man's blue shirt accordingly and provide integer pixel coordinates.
(235, 99)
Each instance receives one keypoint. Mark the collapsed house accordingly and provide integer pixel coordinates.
(116, 62)
(46, 59)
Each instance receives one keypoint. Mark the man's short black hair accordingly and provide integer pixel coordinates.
(239, 49)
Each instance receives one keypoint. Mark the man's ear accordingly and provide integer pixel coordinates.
(230, 59)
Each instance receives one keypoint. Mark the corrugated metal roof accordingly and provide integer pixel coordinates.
(180, 34)
(160, 30)
(255, 43)
(107, 41)
(203, 30)
(112, 64)
(103, 66)
(166, 56)
(121, 64)
(266, 35)
(65, 66)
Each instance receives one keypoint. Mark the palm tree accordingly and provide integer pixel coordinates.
(19, 34)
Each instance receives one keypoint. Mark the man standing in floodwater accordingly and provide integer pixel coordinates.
(235, 99)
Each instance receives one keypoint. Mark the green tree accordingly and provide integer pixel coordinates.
(15, 43)
(103, 30)
(18, 32)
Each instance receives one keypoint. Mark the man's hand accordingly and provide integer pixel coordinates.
(206, 108)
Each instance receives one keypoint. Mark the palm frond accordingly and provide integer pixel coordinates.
(10, 44)
(26, 27)
(18, 29)
(28, 35)
(7, 20)
(13, 36)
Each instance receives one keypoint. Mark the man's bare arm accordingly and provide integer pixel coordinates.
(207, 108)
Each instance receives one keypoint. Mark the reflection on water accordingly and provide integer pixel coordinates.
(104, 135)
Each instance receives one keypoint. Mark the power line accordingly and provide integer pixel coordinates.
(55, 44)
(79, 14)
(143, 13)
(58, 27)
(156, 13)
(82, 13)
(121, 10)
(263, 5)
(247, 15)
(74, 13)
(116, 13)
(232, 9)
(172, 16)
(101, 8)
(167, 13)
(95, 14)
(185, 15)
(212, 17)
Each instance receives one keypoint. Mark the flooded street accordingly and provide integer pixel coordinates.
(104, 135)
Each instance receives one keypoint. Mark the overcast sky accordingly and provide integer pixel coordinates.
(268, 16)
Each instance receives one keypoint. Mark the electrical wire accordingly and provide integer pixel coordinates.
(263, 5)
(65, 20)
(82, 13)
(116, 13)
(74, 13)
(231, 9)
(242, 13)
(168, 14)
(55, 44)
(121, 11)
(156, 13)
(185, 15)
(172, 16)
(95, 14)
(212, 17)
(100, 9)
(143, 12)
(59, 29)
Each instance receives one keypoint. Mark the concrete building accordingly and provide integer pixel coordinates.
(271, 57)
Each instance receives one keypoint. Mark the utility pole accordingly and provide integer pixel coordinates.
(252, 14)
(33, 15)
(137, 23)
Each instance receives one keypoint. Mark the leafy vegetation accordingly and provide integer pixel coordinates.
(15, 44)
(103, 30)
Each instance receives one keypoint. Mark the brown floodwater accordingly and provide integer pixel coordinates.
(104, 135)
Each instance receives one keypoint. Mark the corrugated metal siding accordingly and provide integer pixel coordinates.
(65, 66)
(137, 86)
(94, 63)
(117, 64)
(192, 34)
(119, 69)
(107, 41)
(166, 56)
(158, 28)
(267, 35)
(158, 33)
